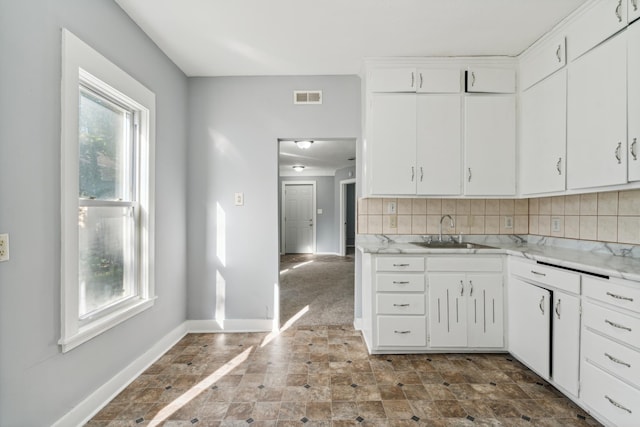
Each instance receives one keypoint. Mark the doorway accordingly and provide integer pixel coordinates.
(298, 219)
(347, 216)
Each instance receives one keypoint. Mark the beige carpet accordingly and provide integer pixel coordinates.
(323, 283)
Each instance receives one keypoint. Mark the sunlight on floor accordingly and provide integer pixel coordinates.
(286, 326)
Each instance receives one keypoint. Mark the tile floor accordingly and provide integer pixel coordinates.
(323, 376)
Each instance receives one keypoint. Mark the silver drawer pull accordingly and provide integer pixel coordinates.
(619, 297)
(616, 404)
(541, 305)
(401, 265)
(537, 273)
(618, 361)
(616, 325)
(401, 332)
(401, 305)
(404, 282)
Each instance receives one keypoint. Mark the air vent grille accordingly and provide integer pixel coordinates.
(307, 97)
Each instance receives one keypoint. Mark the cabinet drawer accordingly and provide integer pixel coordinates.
(612, 292)
(404, 263)
(471, 263)
(613, 399)
(615, 357)
(543, 62)
(561, 279)
(402, 331)
(400, 282)
(400, 304)
(617, 325)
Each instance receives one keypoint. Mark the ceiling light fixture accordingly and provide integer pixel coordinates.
(303, 145)
(298, 168)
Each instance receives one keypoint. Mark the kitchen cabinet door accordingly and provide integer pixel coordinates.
(392, 144)
(484, 310)
(439, 144)
(633, 100)
(491, 80)
(597, 117)
(392, 80)
(566, 341)
(633, 10)
(447, 310)
(490, 142)
(529, 325)
(543, 117)
(603, 19)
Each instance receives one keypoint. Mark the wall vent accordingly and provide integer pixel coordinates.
(307, 97)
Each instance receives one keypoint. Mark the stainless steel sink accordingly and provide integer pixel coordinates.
(451, 245)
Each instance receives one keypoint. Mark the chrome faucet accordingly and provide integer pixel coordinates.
(451, 225)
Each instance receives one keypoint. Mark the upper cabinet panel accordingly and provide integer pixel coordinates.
(439, 80)
(543, 62)
(633, 10)
(392, 80)
(491, 80)
(603, 19)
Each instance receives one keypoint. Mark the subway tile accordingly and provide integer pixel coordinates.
(572, 226)
(572, 204)
(544, 225)
(374, 206)
(608, 203)
(588, 226)
(362, 206)
(374, 225)
(557, 205)
(448, 206)
(629, 229)
(521, 224)
(404, 206)
(362, 224)
(544, 207)
(418, 224)
(507, 207)
(607, 228)
(533, 224)
(404, 224)
(534, 206)
(492, 224)
(434, 206)
(419, 206)
(492, 207)
(522, 207)
(629, 202)
(589, 204)
(477, 206)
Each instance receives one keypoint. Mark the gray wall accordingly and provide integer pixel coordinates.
(235, 123)
(38, 384)
(325, 223)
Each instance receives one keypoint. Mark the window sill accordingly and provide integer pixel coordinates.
(103, 324)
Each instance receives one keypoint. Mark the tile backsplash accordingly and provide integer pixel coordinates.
(609, 217)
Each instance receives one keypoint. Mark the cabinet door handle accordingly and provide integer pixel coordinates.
(558, 53)
(401, 332)
(413, 77)
(619, 297)
(618, 361)
(617, 325)
(619, 10)
(469, 179)
(421, 173)
(616, 404)
(558, 166)
(420, 80)
(541, 305)
(633, 149)
(537, 273)
(461, 288)
(401, 265)
(558, 308)
(634, 3)
(404, 282)
(618, 152)
(413, 173)
(473, 77)
(470, 288)
(401, 305)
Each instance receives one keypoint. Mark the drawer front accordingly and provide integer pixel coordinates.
(400, 282)
(613, 399)
(408, 263)
(400, 304)
(564, 280)
(464, 263)
(402, 331)
(608, 354)
(612, 292)
(617, 325)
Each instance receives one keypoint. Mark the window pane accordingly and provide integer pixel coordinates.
(105, 151)
(106, 243)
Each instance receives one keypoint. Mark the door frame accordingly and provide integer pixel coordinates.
(343, 213)
(283, 209)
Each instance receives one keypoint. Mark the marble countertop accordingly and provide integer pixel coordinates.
(621, 261)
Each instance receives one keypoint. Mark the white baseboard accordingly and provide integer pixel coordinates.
(357, 323)
(90, 406)
(328, 253)
(97, 400)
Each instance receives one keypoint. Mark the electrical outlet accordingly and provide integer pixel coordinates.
(391, 207)
(508, 222)
(4, 247)
(393, 221)
(555, 225)
(239, 199)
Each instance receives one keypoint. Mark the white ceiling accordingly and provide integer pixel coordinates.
(318, 37)
(323, 158)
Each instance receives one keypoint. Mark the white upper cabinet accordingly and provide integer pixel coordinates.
(633, 100)
(597, 117)
(490, 80)
(603, 19)
(633, 10)
(408, 79)
(490, 141)
(439, 143)
(543, 121)
(544, 61)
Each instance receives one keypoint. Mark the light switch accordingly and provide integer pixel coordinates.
(555, 225)
(319, 211)
(239, 199)
(391, 207)
(508, 222)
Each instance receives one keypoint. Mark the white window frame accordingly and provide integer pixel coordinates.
(81, 63)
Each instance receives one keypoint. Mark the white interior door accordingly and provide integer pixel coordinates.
(298, 219)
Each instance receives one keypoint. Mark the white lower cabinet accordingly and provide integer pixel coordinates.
(566, 341)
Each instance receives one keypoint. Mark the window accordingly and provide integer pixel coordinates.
(107, 194)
